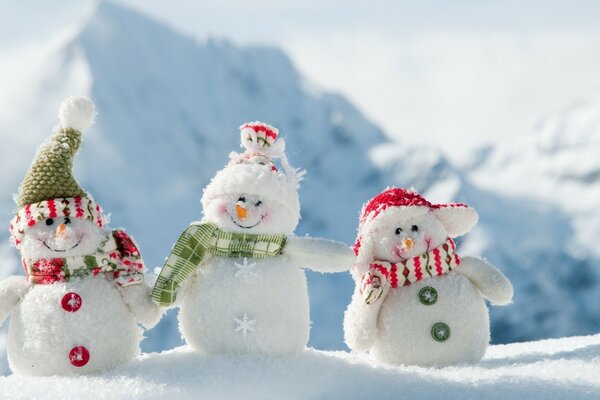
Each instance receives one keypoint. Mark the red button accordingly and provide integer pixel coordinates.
(79, 356)
(71, 302)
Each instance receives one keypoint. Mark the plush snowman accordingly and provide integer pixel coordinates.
(77, 309)
(416, 301)
(237, 275)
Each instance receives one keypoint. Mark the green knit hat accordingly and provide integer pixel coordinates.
(50, 175)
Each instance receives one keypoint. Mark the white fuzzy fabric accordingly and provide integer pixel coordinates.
(319, 254)
(281, 205)
(396, 328)
(457, 220)
(275, 297)
(139, 301)
(81, 237)
(77, 113)
(490, 282)
(42, 333)
(11, 291)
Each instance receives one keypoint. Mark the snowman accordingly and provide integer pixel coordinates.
(416, 301)
(77, 309)
(237, 274)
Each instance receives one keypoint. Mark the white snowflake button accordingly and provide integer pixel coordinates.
(245, 270)
(245, 325)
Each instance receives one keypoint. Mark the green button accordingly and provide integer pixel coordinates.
(428, 295)
(440, 332)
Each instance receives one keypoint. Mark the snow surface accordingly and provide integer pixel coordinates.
(551, 369)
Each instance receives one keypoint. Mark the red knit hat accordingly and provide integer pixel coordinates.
(457, 218)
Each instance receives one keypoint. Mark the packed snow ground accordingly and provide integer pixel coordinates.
(566, 368)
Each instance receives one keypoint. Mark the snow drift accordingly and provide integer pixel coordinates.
(550, 369)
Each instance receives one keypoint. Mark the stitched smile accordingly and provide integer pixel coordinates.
(245, 227)
(62, 251)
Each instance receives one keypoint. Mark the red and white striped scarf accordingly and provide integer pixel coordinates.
(436, 262)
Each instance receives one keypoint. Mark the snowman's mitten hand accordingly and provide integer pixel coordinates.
(490, 282)
(373, 286)
(12, 290)
(321, 255)
(138, 299)
(360, 323)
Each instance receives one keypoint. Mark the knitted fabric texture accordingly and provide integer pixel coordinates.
(191, 247)
(72, 207)
(50, 175)
(436, 262)
(117, 255)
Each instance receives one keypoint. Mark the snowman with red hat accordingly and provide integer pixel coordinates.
(417, 302)
(237, 275)
(77, 309)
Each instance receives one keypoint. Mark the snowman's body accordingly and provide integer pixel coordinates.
(234, 305)
(58, 327)
(407, 316)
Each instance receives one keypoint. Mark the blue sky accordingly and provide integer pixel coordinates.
(452, 74)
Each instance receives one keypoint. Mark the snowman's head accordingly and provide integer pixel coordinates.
(59, 228)
(254, 198)
(61, 237)
(400, 224)
(252, 195)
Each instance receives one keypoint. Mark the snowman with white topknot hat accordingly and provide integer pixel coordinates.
(237, 274)
(77, 309)
(416, 301)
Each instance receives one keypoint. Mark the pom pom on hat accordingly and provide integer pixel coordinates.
(77, 113)
(259, 137)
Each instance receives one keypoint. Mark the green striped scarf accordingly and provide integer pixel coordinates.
(199, 238)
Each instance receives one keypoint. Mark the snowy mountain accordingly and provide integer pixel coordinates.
(552, 178)
(169, 108)
(551, 369)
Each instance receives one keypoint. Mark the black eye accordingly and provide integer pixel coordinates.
(414, 228)
(398, 230)
(258, 203)
(67, 220)
(49, 221)
(242, 199)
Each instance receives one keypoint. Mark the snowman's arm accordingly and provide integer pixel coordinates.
(12, 290)
(360, 323)
(138, 299)
(319, 254)
(490, 282)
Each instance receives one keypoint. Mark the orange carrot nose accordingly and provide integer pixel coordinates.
(408, 243)
(242, 213)
(60, 230)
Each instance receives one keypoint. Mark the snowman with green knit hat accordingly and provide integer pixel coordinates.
(78, 308)
(237, 275)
